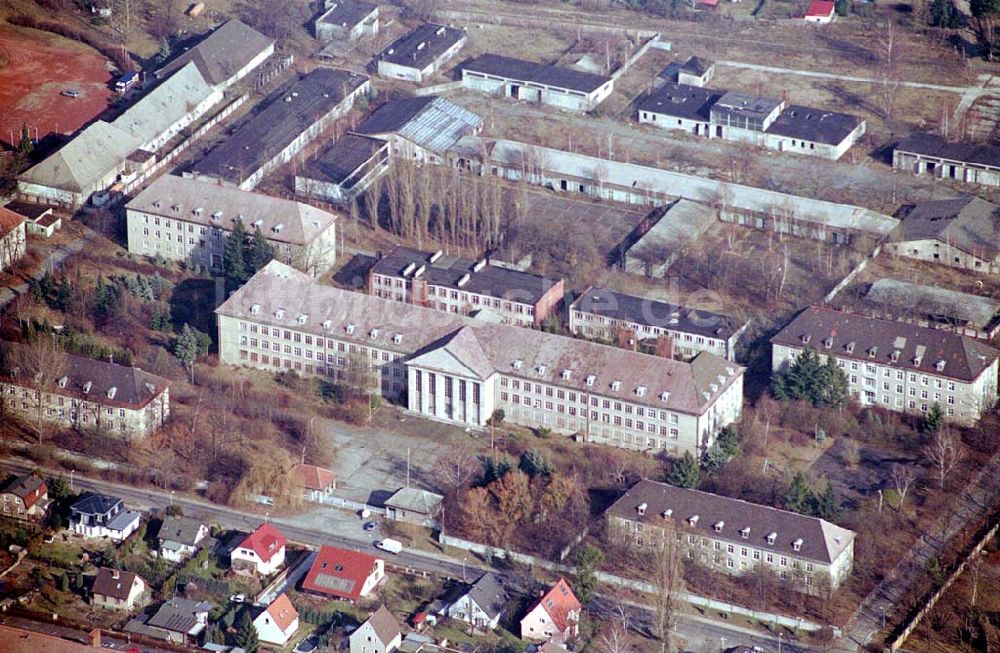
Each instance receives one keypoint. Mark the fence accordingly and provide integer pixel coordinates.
(796, 623)
(618, 72)
(851, 275)
(900, 639)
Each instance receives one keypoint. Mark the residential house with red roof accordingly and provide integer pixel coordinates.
(13, 238)
(556, 616)
(261, 552)
(820, 11)
(348, 575)
(316, 482)
(26, 498)
(277, 623)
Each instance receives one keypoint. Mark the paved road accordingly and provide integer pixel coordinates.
(10, 293)
(958, 90)
(976, 499)
(703, 634)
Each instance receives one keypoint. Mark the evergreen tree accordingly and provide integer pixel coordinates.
(685, 472)
(495, 468)
(534, 463)
(729, 441)
(187, 348)
(258, 252)
(716, 457)
(933, 420)
(842, 7)
(214, 635)
(234, 262)
(58, 488)
(25, 147)
(828, 504)
(63, 582)
(943, 14)
(800, 497)
(246, 633)
(588, 560)
(822, 384)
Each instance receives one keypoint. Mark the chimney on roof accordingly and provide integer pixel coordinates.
(94, 638)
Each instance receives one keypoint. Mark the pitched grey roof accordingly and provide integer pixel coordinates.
(681, 101)
(91, 155)
(182, 198)
(431, 122)
(920, 349)
(488, 594)
(817, 125)
(679, 226)
(286, 115)
(537, 73)
(161, 108)
(448, 271)
(650, 312)
(820, 540)
(422, 46)
(347, 13)
(178, 615)
(182, 530)
(970, 224)
(223, 53)
(558, 164)
(933, 303)
(384, 624)
(697, 65)
(935, 146)
(544, 357)
(113, 583)
(754, 107)
(91, 379)
(23, 486)
(344, 158)
(415, 500)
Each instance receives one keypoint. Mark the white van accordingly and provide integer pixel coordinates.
(390, 545)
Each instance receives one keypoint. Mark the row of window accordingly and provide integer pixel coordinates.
(644, 328)
(607, 404)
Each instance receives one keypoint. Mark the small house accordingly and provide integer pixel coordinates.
(380, 633)
(482, 604)
(555, 617)
(118, 590)
(180, 537)
(342, 574)
(25, 498)
(101, 515)
(261, 552)
(820, 11)
(277, 623)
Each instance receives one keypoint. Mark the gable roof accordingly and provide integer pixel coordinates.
(940, 305)
(488, 593)
(422, 46)
(90, 379)
(537, 73)
(968, 223)
(28, 488)
(697, 65)
(915, 348)
(415, 500)
(725, 518)
(178, 615)
(312, 477)
(95, 503)
(182, 530)
(559, 602)
(223, 52)
(161, 108)
(344, 158)
(934, 146)
(88, 157)
(384, 624)
(821, 8)
(200, 202)
(338, 572)
(347, 13)
(431, 122)
(113, 583)
(282, 612)
(266, 541)
(9, 221)
(811, 124)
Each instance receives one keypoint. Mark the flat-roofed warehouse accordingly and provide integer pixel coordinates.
(930, 154)
(420, 53)
(536, 82)
(291, 119)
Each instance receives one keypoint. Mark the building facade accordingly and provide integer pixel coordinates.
(960, 233)
(555, 86)
(895, 365)
(554, 618)
(380, 633)
(118, 590)
(603, 313)
(454, 285)
(346, 20)
(420, 53)
(182, 219)
(100, 515)
(460, 370)
(25, 498)
(261, 552)
(13, 238)
(929, 154)
(732, 536)
(88, 394)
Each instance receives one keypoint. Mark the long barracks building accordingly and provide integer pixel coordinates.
(458, 369)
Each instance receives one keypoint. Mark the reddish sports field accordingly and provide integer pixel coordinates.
(38, 67)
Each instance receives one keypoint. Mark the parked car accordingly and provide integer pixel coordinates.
(308, 645)
(70, 92)
(390, 545)
(370, 525)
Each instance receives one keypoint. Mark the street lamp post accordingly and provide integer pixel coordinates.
(171, 498)
(463, 569)
(883, 617)
(723, 640)
(71, 472)
(779, 641)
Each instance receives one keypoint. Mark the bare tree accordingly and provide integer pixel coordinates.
(668, 581)
(363, 375)
(456, 468)
(888, 49)
(615, 640)
(41, 364)
(944, 451)
(902, 477)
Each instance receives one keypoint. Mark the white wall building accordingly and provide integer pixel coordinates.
(564, 88)
(420, 53)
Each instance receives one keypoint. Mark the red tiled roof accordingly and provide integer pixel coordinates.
(265, 542)
(312, 477)
(337, 572)
(282, 612)
(558, 602)
(9, 220)
(821, 8)
(19, 640)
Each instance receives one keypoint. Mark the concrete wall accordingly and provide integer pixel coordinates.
(919, 164)
(942, 253)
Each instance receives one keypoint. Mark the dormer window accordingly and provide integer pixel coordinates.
(566, 374)
(714, 387)
(518, 363)
(641, 508)
(873, 352)
(63, 381)
(373, 334)
(541, 369)
(616, 385)
(590, 380)
(849, 347)
(828, 342)
(668, 513)
(772, 537)
(350, 328)
(806, 337)
(693, 520)
(745, 533)
(398, 338)
(327, 324)
(718, 526)
(111, 392)
(302, 319)
(664, 396)
(797, 544)
(917, 360)
(640, 391)
(894, 356)
(255, 309)
(217, 216)
(939, 366)
(87, 386)
(198, 211)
